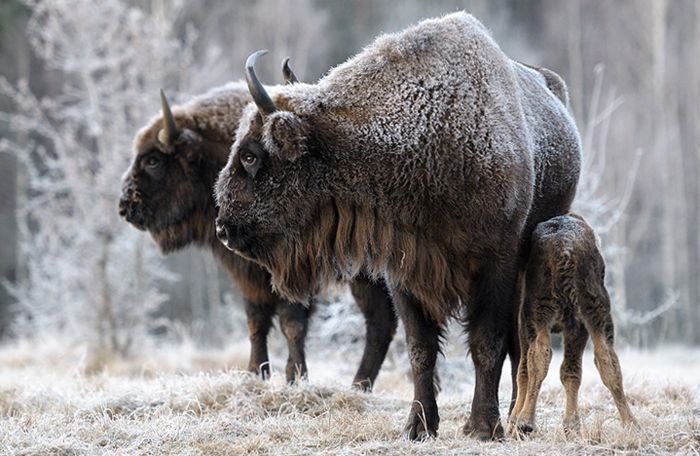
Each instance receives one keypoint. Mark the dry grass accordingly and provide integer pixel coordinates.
(181, 401)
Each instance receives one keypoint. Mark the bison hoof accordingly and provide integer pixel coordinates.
(262, 369)
(364, 385)
(416, 433)
(296, 373)
(484, 430)
(421, 427)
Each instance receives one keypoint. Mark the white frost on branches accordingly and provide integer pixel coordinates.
(89, 276)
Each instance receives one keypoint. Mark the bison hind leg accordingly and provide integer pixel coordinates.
(380, 321)
(423, 341)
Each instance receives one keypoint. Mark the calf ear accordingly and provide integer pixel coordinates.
(285, 134)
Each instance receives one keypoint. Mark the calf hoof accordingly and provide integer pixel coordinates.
(572, 427)
(526, 427)
(511, 427)
(484, 430)
(420, 427)
(631, 423)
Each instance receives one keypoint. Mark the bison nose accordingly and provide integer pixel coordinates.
(123, 205)
(222, 233)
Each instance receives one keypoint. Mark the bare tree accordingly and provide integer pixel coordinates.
(90, 277)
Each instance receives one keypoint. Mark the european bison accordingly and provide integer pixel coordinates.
(565, 291)
(427, 159)
(168, 190)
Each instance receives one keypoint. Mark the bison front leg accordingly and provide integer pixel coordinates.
(422, 339)
(294, 321)
(380, 320)
(489, 323)
(259, 320)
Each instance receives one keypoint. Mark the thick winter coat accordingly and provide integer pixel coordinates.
(426, 159)
(168, 191)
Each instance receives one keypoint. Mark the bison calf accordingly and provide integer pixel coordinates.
(565, 291)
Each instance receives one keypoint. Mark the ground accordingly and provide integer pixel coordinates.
(182, 400)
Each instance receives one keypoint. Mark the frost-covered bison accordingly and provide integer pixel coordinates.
(168, 190)
(426, 160)
(565, 291)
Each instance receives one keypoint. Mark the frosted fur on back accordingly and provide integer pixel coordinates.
(429, 164)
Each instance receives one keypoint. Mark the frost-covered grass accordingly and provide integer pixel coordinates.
(179, 400)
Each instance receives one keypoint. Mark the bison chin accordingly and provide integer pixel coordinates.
(133, 213)
(245, 240)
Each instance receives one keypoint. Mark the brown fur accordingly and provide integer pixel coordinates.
(174, 202)
(356, 232)
(565, 290)
(427, 159)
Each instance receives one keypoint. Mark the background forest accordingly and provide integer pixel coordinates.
(79, 77)
(107, 347)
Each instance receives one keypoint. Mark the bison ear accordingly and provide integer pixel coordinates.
(188, 143)
(286, 135)
(187, 137)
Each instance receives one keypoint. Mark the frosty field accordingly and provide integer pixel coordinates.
(180, 400)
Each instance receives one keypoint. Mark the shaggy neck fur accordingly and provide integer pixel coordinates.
(345, 239)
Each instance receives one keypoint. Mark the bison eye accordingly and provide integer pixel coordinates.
(248, 159)
(152, 161)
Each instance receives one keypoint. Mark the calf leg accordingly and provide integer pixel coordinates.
(609, 368)
(570, 375)
(259, 320)
(380, 320)
(514, 354)
(294, 321)
(516, 350)
(422, 338)
(522, 377)
(539, 355)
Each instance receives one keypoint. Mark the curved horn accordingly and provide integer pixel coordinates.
(289, 76)
(255, 87)
(169, 131)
